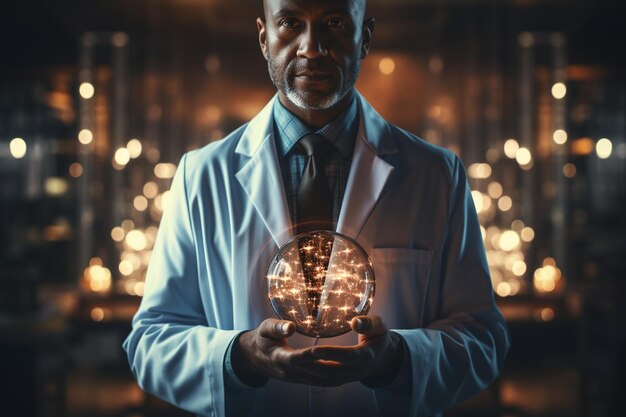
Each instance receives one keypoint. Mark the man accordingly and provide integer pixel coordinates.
(204, 339)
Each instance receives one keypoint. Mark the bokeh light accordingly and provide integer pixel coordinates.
(479, 170)
(18, 148)
(559, 90)
(164, 170)
(511, 146)
(136, 240)
(150, 189)
(75, 170)
(122, 156)
(387, 66)
(140, 203)
(494, 189)
(604, 148)
(559, 136)
(527, 234)
(505, 203)
(86, 90)
(118, 234)
(134, 148)
(509, 240)
(85, 136)
(523, 156)
(569, 170)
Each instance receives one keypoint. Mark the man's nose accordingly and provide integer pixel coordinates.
(313, 43)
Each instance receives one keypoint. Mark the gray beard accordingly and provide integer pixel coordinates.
(299, 100)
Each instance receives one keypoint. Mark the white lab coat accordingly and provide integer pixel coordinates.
(407, 203)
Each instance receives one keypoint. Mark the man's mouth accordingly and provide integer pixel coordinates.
(313, 76)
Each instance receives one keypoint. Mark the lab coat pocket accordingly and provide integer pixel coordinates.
(401, 282)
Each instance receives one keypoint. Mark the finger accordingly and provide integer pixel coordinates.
(276, 329)
(368, 326)
(298, 357)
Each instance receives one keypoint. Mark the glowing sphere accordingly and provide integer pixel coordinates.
(320, 281)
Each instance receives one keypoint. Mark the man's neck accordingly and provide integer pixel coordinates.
(318, 117)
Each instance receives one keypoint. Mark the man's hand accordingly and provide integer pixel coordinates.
(264, 352)
(376, 359)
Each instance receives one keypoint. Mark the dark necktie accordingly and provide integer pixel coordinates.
(314, 200)
(315, 212)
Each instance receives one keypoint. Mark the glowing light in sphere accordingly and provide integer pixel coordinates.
(320, 281)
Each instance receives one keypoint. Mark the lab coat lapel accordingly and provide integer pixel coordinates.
(261, 176)
(369, 172)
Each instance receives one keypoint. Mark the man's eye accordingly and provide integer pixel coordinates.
(336, 23)
(289, 23)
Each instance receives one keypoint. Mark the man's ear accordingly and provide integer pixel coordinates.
(260, 25)
(368, 30)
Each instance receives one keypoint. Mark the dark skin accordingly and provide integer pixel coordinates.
(314, 48)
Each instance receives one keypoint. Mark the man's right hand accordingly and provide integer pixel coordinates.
(264, 352)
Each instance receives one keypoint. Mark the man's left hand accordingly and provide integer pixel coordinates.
(376, 358)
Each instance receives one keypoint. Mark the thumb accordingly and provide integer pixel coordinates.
(276, 329)
(368, 326)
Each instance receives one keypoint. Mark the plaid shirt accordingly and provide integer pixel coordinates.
(341, 132)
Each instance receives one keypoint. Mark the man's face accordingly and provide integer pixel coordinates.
(314, 48)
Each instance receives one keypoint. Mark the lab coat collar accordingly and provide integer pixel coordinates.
(261, 177)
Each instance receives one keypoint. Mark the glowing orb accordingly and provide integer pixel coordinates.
(320, 281)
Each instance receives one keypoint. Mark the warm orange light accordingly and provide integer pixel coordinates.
(138, 288)
(213, 114)
(150, 189)
(387, 66)
(569, 170)
(527, 234)
(519, 268)
(140, 203)
(117, 234)
(97, 314)
(582, 146)
(548, 277)
(479, 170)
(547, 314)
(503, 289)
(505, 203)
(494, 189)
(164, 170)
(76, 170)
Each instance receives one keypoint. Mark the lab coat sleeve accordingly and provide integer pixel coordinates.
(461, 352)
(173, 352)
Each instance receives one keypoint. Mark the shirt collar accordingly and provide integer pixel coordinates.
(341, 131)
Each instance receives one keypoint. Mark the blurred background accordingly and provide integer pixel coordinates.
(99, 100)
